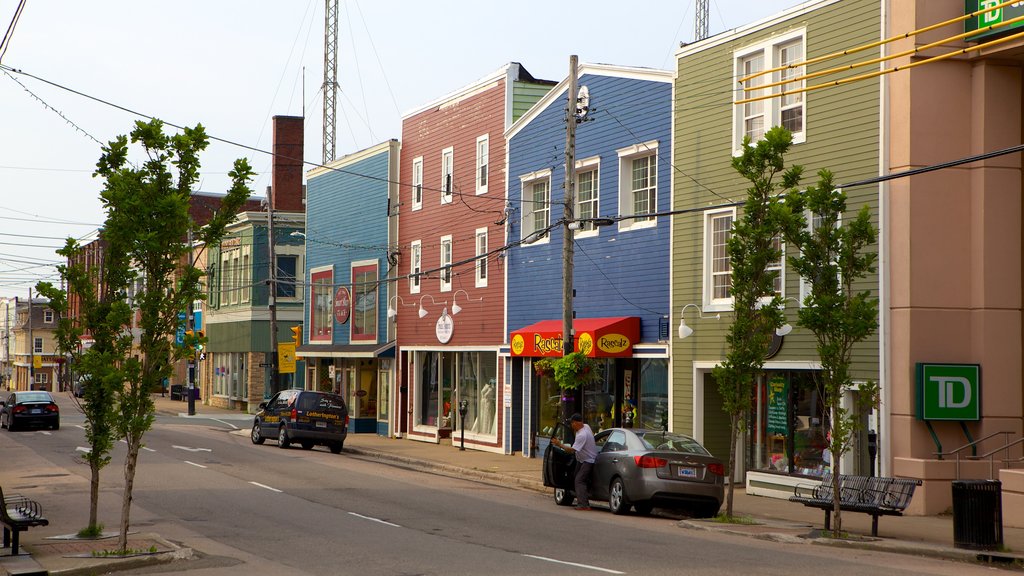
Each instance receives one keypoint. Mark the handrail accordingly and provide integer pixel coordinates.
(1006, 435)
(991, 460)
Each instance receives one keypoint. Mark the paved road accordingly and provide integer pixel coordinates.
(262, 509)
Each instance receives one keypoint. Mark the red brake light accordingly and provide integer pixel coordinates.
(17, 409)
(295, 414)
(53, 408)
(717, 469)
(650, 461)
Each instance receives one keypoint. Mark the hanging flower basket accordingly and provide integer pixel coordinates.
(570, 371)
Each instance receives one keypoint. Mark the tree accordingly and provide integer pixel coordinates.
(752, 246)
(831, 254)
(148, 214)
(100, 293)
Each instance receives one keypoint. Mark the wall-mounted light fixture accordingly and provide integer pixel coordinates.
(423, 311)
(393, 306)
(684, 330)
(455, 305)
(787, 327)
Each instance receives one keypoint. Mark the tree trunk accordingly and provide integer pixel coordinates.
(730, 471)
(94, 495)
(837, 524)
(130, 462)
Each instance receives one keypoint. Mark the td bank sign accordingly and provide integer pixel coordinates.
(948, 391)
(1002, 18)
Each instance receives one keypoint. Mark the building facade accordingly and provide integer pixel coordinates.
(35, 362)
(620, 271)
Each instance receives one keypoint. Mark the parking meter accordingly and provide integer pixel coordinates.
(463, 407)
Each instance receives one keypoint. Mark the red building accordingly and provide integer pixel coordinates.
(450, 308)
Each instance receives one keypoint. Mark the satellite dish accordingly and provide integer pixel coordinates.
(582, 103)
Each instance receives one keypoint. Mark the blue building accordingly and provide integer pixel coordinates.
(621, 271)
(348, 335)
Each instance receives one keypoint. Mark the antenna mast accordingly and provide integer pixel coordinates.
(330, 86)
(700, 21)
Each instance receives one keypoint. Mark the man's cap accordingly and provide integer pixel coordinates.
(577, 417)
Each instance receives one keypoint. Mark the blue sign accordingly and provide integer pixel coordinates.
(179, 337)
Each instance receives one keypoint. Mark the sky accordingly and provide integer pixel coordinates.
(232, 65)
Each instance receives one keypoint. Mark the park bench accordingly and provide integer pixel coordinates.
(18, 514)
(872, 495)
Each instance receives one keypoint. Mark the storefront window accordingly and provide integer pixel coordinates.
(599, 397)
(383, 392)
(362, 389)
(478, 377)
(792, 424)
(427, 408)
(653, 396)
(550, 403)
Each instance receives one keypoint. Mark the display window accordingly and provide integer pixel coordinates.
(792, 424)
(448, 378)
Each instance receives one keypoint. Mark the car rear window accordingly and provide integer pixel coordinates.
(320, 402)
(34, 397)
(672, 443)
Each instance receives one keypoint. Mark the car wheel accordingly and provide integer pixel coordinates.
(56, 426)
(10, 424)
(336, 447)
(306, 445)
(643, 508)
(3, 423)
(563, 497)
(282, 437)
(618, 502)
(256, 436)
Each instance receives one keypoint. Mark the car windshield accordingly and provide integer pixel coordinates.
(672, 443)
(34, 397)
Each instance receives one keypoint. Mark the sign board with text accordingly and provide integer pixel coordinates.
(998, 16)
(948, 392)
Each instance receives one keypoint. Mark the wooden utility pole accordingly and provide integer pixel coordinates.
(272, 293)
(567, 214)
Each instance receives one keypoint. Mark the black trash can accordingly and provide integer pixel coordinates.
(978, 514)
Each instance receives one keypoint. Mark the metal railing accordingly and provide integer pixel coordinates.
(1005, 460)
(974, 444)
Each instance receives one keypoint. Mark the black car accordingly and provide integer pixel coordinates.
(306, 417)
(25, 409)
(641, 469)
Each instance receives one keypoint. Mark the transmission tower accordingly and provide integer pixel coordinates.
(700, 21)
(330, 86)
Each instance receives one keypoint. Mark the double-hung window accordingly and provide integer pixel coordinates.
(481, 258)
(364, 300)
(417, 183)
(786, 107)
(48, 316)
(37, 345)
(536, 206)
(321, 304)
(717, 263)
(587, 194)
(638, 185)
(446, 264)
(415, 266)
(482, 153)
(447, 169)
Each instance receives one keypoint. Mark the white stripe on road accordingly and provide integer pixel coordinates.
(82, 449)
(191, 449)
(194, 464)
(372, 519)
(225, 423)
(148, 449)
(79, 426)
(45, 433)
(588, 567)
(264, 486)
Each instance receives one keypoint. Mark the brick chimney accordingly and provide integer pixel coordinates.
(286, 179)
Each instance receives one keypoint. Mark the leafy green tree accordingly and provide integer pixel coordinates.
(832, 255)
(148, 215)
(102, 306)
(753, 245)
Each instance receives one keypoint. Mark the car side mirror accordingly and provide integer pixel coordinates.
(263, 405)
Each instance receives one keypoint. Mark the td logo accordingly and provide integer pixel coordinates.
(948, 391)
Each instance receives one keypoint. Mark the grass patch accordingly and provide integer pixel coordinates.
(91, 531)
(742, 520)
(128, 552)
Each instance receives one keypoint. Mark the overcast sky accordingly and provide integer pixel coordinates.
(232, 65)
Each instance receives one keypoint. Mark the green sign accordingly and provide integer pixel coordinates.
(997, 16)
(948, 391)
(778, 402)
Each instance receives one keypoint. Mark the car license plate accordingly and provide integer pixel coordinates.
(35, 411)
(321, 424)
(686, 472)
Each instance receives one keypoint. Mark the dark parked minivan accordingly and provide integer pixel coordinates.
(303, 416)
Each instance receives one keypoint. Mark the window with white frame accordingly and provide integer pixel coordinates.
(638, 185)
(446, 264)
(246, 275)
(289, 262)
(587, 194)
(786, 107)
(481, 257)
(536, 206)
(415, 266)
(776, 269)
(41, 378)
(321, 305)
(717, 263)
(37, 345)
(447, 168)
(48, 316)
(364, 301)
(482, 153)
(417, 183)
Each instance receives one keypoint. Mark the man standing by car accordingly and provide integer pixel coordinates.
(586, 452)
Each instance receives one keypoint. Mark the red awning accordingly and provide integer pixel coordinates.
(596, 337)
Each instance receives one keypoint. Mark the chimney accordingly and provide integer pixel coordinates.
(286, 179)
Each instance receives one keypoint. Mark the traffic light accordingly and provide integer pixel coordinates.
(200, 335)
(297, 334)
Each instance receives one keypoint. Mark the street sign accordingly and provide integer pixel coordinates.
(179, 336)
(286, 357)
(948, 392)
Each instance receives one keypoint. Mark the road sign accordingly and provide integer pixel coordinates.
(286, 358)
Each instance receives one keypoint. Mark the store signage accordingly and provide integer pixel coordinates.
(444, 328)
(595, 338)
(778, 400)
(613, 343)
(997, 16)
(948, 391)
(342, 305)
(231, 242)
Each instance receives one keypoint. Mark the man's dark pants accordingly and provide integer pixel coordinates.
(582, 484)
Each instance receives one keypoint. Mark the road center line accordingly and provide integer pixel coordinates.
(225, 423)
(148, 449)
(264, 486)
(372, 519)
(586, 566)
(194, 464)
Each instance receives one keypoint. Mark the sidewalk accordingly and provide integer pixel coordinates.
(777, 520)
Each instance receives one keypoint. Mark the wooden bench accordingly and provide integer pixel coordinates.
(18, 514)
(872, 495)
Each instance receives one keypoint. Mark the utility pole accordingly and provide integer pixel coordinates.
(272, 293)
(567, 215)
(31, 346)
(190, 325)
